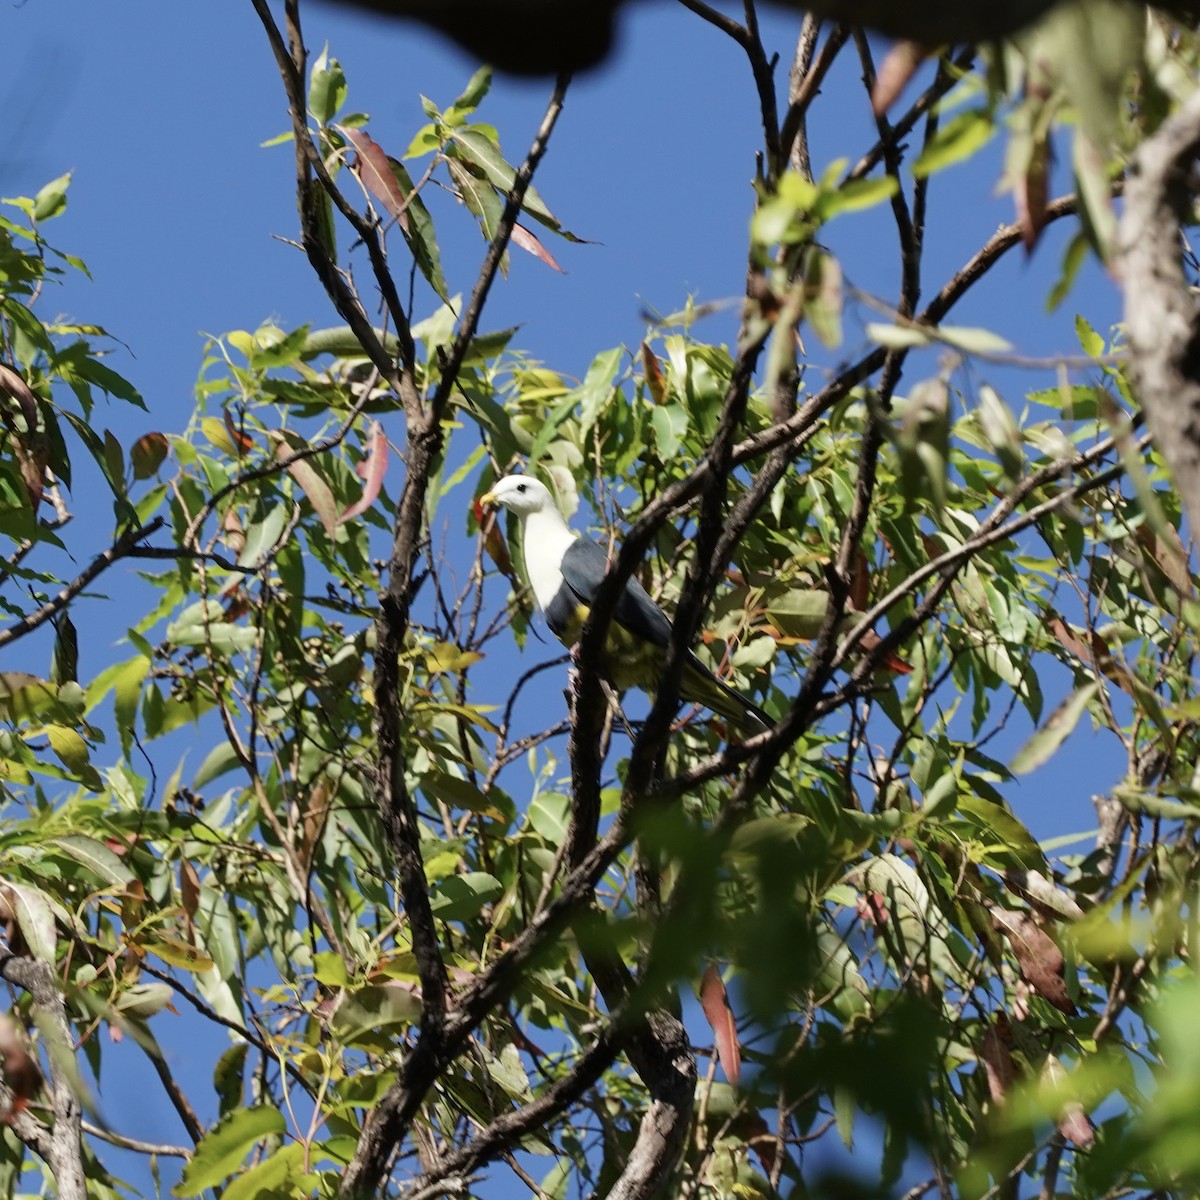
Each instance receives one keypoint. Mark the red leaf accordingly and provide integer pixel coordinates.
(891, 660)
(371, 469)
(523, 238)
(375, 170)
(241, 440)
(715, 1002)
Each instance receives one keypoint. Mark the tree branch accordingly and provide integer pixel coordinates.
(121, 548)
(1161, 319)
(61, 1145)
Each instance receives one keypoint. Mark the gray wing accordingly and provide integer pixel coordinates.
(584, 566)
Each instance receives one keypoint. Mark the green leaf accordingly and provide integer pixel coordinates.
(460, 897)
(508, 1071)
(262, 538)
(670, 423)
(327, 87)
(1041, 747)
(221, 759)
(34, 918)
(52, 199)
(73, 753)
(1090, 341)
(96, 857)
(227, 1077)
(956, 140)
(279, 1174)
(478, 195)
(420, 234)
(367, 1012)
(597, 387)
(974, 341)
(477, 148)
(221, 1151)
(898, 337)
(144, 1000)
(857, 194)
(1011, 840)
(472, 95)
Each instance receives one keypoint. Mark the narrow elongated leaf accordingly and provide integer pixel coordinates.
(375, 171)
(523, 238)
(34, 918)
(479, 149)
(419, 233)
(957, 139)
(96, 857)
(1041, 747)
(478, 195)
(714, 1000)
(372, 469)
(313, 484)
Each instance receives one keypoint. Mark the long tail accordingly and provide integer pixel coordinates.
(701, 686)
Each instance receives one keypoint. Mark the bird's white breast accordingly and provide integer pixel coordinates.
(547, 537)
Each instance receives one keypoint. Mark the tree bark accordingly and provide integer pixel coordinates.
(1160, 310)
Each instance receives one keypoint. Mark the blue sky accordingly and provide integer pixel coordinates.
(160, 110)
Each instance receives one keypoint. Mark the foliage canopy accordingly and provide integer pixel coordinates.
(451, 931)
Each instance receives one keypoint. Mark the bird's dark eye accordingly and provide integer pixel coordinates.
(521, 488)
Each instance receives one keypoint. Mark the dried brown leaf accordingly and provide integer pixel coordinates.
(20, 1070)
(147, 454)
(1044, 894)
(655, 380)
(374, 169)
(1039, 960)
(13, 384)
(33, 456)
(494, 544)
(1169, 555)
(189, 888)
(997, 1060)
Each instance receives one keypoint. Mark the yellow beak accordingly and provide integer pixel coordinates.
(488, 498)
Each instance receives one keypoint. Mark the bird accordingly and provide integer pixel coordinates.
(565, 572)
